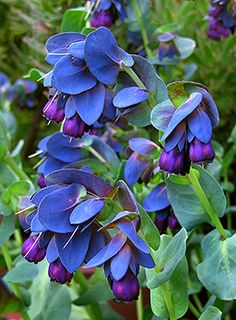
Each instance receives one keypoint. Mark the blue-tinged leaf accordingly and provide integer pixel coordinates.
(91, 182)
(90, 104)
(52, 253)
(144, 259)
(143, 146)
(182, 112)
(200, 125)
(62, 40)
(161, 115)
(126, 197)
(86, 210)
(129, 229)
(178, 135)
(76, 49)
(70, 110)
(36, 225)
(38, 196)
(212, 313)
(111, 249)
(72, 248)
(72, 78)
(157, 199)
(128, 97)
(120, 262)
(134, 168)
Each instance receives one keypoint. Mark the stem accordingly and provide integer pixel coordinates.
(13, 165)
(137, 80)
(165, 292)
(97, 155)
(139, 306)
(18, 237)
(8, 261)
(206, 204)
(197, 302)
(142, 27)
(194, 310)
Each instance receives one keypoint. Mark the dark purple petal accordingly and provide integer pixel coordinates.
(120, 262)
(31, 251)
(62, 40)
(157, 199)
(52, 253)
(86, 210)
(128, 228)
(72, 78)
(174, 161)
(134, 168)
(126, 289)
(72, 248)
(91, 182)
(111, 249)
(57, 272)
(129, 96)
(200, 125)
(174, 138)
(142, 146)
(182, 112)
(89, 104)
(200, 152)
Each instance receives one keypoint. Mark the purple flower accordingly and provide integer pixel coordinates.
(31, 250)
(75, 127)
(102, 18)
(52, 112)
(57, 272)
(187, 131)
(122, 256)
(167, 47)
(140, 166)
(83, 67)
(64, 221)
(42, 181)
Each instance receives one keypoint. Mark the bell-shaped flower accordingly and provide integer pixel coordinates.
(140, 165)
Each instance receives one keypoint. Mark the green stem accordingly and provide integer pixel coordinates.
(93, 310)
(194, 310)
(97, 155)
(197, 302)
(206, 204)
(8, 261)
(137, 80)
(165, 292)
(139, 306)
(13, 165)
(142, 27)
(18, 237)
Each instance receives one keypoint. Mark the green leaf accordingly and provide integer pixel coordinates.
(211, 313)
(221, 254)
(149, 230)
(178, 289)
(34, 74)
(7, 228)
(4, 141)
(169, 254)
(139, 116)
(73, 20)
(186, 204)
(6, 174)
(23, 271)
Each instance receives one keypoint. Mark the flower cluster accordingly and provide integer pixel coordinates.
(167, 47)
(84, 69)
(188, 132)
(106, 12)
(64, 229)
(222, 19)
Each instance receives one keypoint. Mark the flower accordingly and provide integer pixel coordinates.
(221, 20)
(106, 12)
(140, 165)
(63, 224)
(4, 82)
(83, 68)
(21, 93)
(167, 47)
(122, 256)
(157, 201)
(188, 131)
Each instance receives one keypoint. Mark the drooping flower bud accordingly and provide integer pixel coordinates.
(126, 289)
(52, 112)
(200, 152)
(74, 127)
(57, 272)
(173, 222)
(41, 181)
(31, 250)
(173, 161)
(102, 18)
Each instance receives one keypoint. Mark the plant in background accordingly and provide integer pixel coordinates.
(134, 158)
